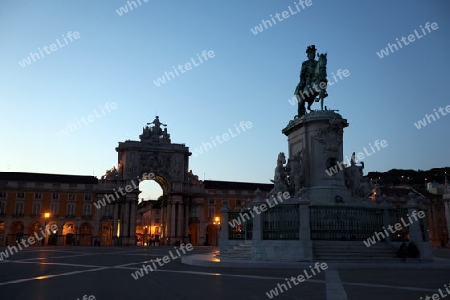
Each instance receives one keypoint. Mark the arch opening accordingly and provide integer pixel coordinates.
(150, 190)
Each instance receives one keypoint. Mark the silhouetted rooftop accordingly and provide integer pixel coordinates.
(50, 178)
(233, 185)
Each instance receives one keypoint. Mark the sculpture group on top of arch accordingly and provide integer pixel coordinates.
(155, 132)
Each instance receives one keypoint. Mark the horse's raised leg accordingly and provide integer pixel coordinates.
(309, 104)
(301, 108)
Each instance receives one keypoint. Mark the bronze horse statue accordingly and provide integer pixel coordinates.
(314, 87)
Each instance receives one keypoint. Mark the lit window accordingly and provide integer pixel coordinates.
(70, 209)
(36, 209)
(211, 212)
(54, 208)
(19, 208)
(87, 210)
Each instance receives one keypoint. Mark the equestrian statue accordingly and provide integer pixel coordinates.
(313, 80)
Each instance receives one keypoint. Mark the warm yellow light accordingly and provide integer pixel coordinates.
(217, 219)
(46, 215)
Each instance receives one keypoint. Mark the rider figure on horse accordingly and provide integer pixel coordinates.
(308, 89)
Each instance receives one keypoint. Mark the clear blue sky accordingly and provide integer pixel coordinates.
(116, 59)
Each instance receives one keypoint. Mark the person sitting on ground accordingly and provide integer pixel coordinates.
(413, 252)
(402, 252)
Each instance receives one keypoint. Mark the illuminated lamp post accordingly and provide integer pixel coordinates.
(217, 225)
(46, 216)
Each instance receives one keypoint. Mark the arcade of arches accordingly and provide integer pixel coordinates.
(107, 211)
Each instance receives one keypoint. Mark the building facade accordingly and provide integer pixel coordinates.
(87, 210)
(30, 202)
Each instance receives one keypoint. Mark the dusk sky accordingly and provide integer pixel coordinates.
(104, 77)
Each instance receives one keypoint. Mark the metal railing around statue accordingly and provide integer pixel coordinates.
(281, 223)
(344, 223)
(395, 216)
(243, 226)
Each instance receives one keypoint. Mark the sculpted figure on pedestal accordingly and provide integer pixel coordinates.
(111, 174)
(313, 80)
(295, 169)
(157, 128)
(280, 177)
(353, 176)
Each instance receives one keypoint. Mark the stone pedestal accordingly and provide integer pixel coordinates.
(305, 230)
(318, 137)
(417, 234)
(223, 243)
(447, 213)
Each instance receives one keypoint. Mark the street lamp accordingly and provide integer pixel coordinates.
(144, 241)
(46, 216)
(217, 223)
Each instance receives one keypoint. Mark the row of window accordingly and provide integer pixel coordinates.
(212, 201)
(36, 209)
(55, 196)
(87, 197)
(234, 192)
(211, 212)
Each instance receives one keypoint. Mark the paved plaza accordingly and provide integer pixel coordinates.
(54, 273)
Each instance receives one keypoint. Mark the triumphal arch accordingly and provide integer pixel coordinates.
(155, 157)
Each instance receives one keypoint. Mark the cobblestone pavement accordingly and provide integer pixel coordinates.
(54, 273)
